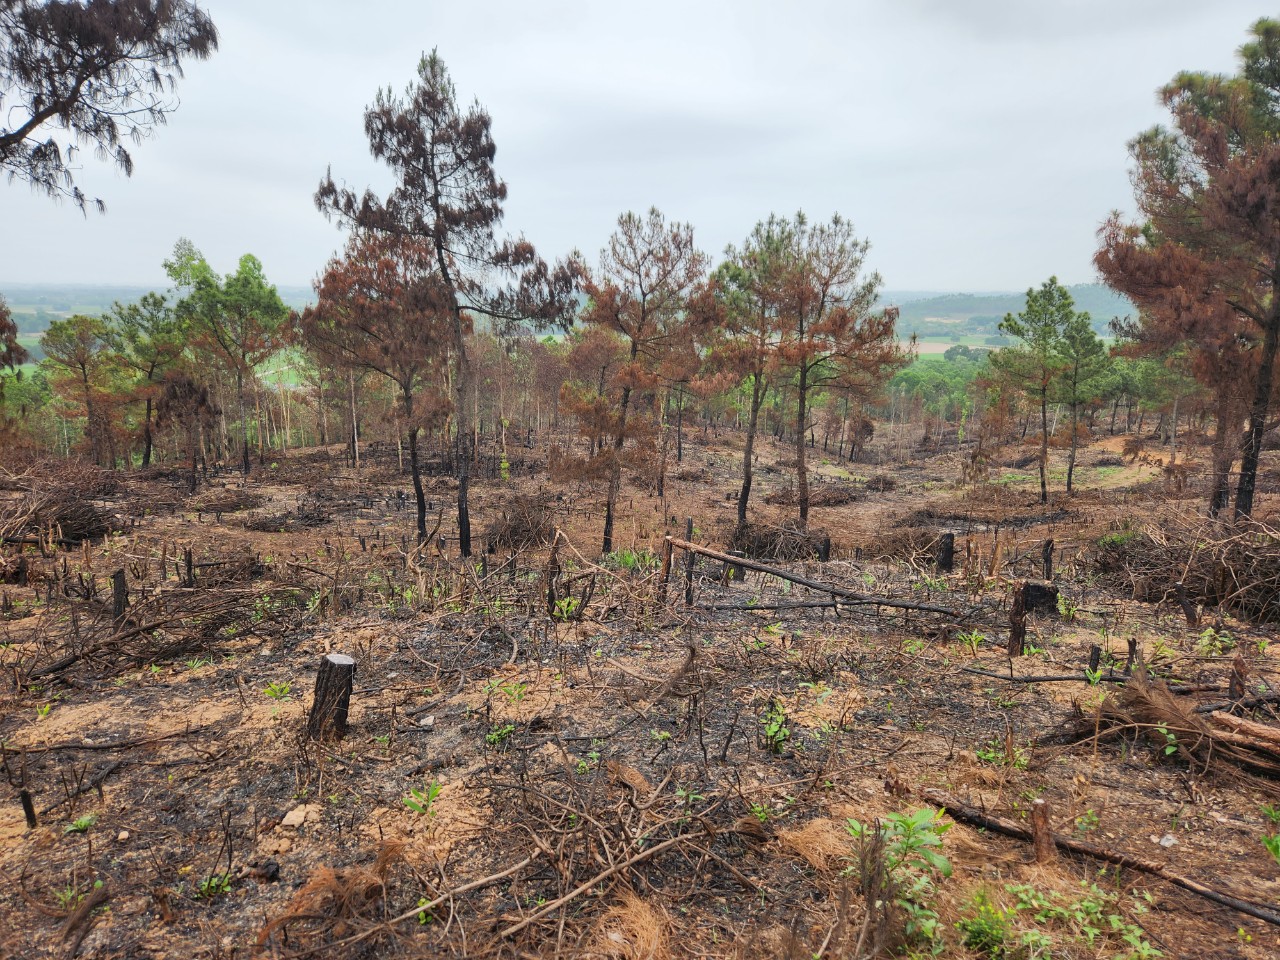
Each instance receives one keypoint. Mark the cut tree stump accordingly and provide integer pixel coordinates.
(328, 718)
(1042, 833)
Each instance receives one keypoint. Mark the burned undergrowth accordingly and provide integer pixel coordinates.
(551, 754)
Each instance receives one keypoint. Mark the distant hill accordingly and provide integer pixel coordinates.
(928, 313)
(34, 305)
(979, 314)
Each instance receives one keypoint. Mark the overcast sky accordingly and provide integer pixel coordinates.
(977, 144)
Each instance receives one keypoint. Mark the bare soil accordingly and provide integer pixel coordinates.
(624, 776)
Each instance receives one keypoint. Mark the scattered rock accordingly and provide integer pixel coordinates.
(307, 812)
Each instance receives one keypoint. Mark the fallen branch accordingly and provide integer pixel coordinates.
(810, 605)
(116, 745)
(1249, 728)
(848, 596)
(1042, 678)
(598, 878)
(961, 811)
(80, 921)
(444, 897)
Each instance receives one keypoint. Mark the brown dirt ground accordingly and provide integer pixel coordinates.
(583, 744)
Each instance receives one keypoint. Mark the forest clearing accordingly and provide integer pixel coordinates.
(520, 727)
(654, 603)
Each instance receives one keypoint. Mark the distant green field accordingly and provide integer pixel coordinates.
(31, 342)
(935, 345)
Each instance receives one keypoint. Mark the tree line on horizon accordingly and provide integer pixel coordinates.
(429, 310)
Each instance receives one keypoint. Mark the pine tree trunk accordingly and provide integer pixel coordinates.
(1258, 411)
(419, 495)
(244, 423)
(146, 437)
(1044, 444)
(1223, 454)
(802, 475)
(757, 396)
(1071, 458)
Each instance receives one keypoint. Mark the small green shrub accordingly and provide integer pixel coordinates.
(499, 734)
(422, 801)
(986, 931)
(776, 731)
(81, 824)
(213, 886)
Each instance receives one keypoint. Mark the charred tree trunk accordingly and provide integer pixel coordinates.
(146, 437)
(802, 473)
(1223, 455)
(757, 397)
(1258, 410)
(419, 495)
(1044, 444)
(946, 557)
(244, 423)
(679, 426)
(615, 467)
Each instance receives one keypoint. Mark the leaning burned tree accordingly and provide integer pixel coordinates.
(448, 196)
(102, 71)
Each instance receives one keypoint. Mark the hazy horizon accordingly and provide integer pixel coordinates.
(977, 146)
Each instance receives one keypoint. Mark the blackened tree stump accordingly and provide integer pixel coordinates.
(119, 596)
(329, 709)
(1041, 597)
(1018, 621)
(946, 557)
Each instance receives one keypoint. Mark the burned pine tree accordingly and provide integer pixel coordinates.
(382, 307)
(448, 197)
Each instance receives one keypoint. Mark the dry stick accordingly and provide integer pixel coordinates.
(809, 605)
(688, 564)
(80, 921)
(582, 888)
(835, 591)
(449, 895)
(117, 745)
(962, 811)
(1041, 678)
(93, 784)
